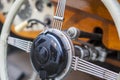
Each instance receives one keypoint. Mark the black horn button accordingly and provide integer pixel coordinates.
(42, 55)
(49, 55)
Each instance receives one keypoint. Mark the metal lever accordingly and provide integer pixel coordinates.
(76, 33)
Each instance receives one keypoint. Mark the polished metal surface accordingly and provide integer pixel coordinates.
(90, 68)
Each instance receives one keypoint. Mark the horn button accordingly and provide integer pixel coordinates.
(49, 53)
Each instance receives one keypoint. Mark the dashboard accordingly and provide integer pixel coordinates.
(42, 10)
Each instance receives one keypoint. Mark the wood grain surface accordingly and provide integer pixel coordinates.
(87, 15)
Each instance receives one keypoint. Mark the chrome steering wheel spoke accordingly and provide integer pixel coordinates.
(19, 43)
(95, 70)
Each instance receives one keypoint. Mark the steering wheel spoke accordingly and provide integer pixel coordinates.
(95, 70)
(19, 43)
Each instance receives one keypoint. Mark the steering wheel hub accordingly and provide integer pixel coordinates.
(51, 53)
(42, 55)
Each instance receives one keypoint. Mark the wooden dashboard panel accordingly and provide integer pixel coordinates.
(90, 14)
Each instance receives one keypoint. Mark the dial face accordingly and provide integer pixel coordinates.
(48, 20)
(39, 5)
(25, 11)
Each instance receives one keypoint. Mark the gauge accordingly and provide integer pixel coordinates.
(25, 11)
(49, 4)
(39, 5)
(48, 20)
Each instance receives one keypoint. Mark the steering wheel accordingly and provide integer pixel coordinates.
(51, 53)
